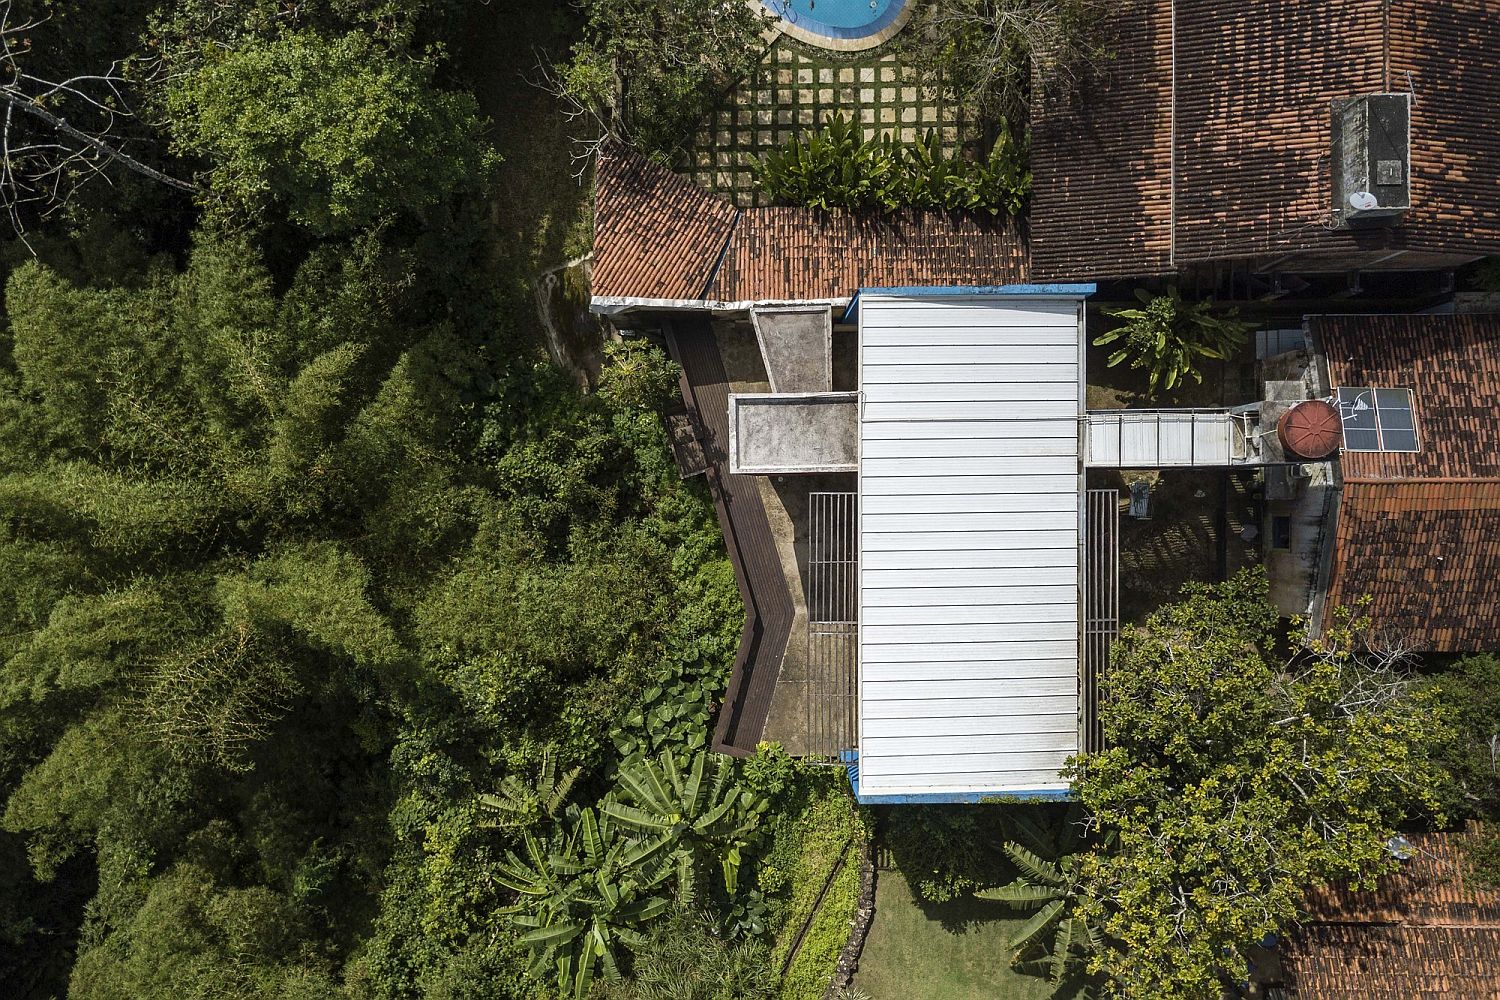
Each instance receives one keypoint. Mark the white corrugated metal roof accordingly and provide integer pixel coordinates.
(970, 508)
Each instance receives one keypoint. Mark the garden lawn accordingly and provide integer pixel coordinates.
(943, 951)
(820, 841)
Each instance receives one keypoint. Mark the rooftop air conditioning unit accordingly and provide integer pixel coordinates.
(1371, 157)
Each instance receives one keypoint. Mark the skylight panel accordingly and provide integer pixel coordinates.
(1377, 419)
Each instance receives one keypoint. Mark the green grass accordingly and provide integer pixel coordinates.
(821, 834)
(943, 951)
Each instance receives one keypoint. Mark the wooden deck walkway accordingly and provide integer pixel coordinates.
(747, 535)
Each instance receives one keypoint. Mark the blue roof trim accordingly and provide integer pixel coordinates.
(1081, 290)
(850, 760)
(960, 798)
(851, 313)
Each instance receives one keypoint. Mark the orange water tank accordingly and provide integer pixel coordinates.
(1310, 430)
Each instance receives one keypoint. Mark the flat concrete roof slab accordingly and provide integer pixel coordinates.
(797, 345)
(778, 433)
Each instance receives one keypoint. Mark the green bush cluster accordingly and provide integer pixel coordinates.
(816, 834)
(1172, 337)
(838, 168)
(1468, 692)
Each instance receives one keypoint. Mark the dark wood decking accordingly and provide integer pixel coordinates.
(747, 535)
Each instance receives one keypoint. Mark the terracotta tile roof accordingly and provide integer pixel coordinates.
(1428, 557)
(1436, 886)
(1426, 931)
(1452, 366)
(1254, 84)
(798, 253)
(1100, 162)
(1420, 533)
(658, 236)
(1341, 962)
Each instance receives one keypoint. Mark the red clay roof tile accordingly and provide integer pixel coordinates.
(1419, 533)
(658, 236)
(1426, 931)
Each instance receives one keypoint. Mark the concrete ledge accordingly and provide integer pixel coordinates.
(796, 343)
(788, 433)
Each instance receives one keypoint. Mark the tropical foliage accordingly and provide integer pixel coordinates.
(1172, 337)
(1053, 890)
(326, 128)
(1058, 939)
(685, 958)
(839, 168)
(326, 602)
(521, 804)
(647, 71)
(707, 816)
(993, 54)
(1469, 693)
(1235, 777)
(583, 895)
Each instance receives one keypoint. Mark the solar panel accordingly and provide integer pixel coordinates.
(1377, 419)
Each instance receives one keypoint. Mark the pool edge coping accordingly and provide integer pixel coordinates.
(782, 26)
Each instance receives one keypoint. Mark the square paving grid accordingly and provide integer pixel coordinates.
(797, 89)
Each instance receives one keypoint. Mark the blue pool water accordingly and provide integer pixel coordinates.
(837, 18)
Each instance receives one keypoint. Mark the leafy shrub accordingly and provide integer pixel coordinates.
(944, 851)
(993, 54)
(1170, 337)
(1469, 692)
(648, 71)
(771, 772)
(684, 960)
(326, 127)
(638, 375)
(840, 168)
(673, 711)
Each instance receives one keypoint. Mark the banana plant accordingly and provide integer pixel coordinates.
(704, 813)
(1053, 890)
(519, 804)
(1171, 337)
(584, 894)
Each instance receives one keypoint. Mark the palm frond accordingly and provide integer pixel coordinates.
(1033, 866)
(1032, 929)
(1021, 894)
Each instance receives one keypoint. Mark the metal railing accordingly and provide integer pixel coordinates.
(832, 624)
(1154, 439)
(1101, 607)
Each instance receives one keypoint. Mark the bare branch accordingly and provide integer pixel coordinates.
(78, 119)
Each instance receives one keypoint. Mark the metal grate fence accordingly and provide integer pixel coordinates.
(832, 623)
(1101, 606)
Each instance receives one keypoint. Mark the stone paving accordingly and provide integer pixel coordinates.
(798, 88)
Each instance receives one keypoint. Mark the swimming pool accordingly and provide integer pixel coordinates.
(840, 23)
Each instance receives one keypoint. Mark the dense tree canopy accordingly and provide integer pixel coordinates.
(338, 130)
(305, 547)
(1236, 777)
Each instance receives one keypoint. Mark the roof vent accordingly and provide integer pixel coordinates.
(1310, 430)
(1371, 157)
